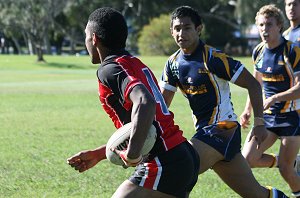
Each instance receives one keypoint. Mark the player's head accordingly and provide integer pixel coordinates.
(186, 11)
(186, 26)
(292, 10)
(270, 12)
(109, 28)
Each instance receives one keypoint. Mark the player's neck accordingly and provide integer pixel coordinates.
(190, 49)
(275, 43)
(294, 24)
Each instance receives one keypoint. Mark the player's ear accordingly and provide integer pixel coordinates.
(199, 29)
(95, 39)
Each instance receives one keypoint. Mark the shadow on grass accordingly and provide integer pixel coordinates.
(67, 65)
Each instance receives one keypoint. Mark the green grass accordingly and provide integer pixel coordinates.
(50, 111)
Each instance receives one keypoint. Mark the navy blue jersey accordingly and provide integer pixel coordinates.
(293, 34)
(278, 67)
(203, 79)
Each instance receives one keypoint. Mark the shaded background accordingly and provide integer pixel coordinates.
(57, 27)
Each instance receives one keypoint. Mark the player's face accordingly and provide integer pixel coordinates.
(292, 10)
(268, 29)
(90, 45)
(185, 34)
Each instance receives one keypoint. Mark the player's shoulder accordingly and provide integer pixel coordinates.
(109, 67)
(258, 49)
(286, 32)
(174, 56)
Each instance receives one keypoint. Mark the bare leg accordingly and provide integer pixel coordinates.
(288, 151)
(256, 157)
(208, 155)
(238, 176)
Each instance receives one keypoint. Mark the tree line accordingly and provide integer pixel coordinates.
(40, 25)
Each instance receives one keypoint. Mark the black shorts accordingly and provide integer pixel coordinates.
(225, 141)
(283, 124)
(174, 172)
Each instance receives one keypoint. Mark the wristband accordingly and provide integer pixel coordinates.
(258, 121)
(134, 161)
(129, 161)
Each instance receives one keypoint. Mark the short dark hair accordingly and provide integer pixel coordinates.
(187, 11)
(110, 26)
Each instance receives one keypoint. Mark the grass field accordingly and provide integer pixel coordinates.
(50, 111)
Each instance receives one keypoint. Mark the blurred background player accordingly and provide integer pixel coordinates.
(202, 73)
(277, 68)
(292, 11)
(129, 92)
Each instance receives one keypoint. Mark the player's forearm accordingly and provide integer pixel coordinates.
(142, 115)
(256, 101)
(100, 152)
(248, 106)
(290, 94)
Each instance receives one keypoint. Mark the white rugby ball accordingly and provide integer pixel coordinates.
(120, 140)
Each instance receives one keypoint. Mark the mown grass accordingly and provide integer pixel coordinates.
(50, 111)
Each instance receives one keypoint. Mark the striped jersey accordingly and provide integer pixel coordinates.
(293, 34)
(117, 75)
(203, 78)
(278, 66)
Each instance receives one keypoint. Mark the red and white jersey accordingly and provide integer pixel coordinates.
(117, 75)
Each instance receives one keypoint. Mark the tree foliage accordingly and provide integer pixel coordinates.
(155, 38)
(44, 23)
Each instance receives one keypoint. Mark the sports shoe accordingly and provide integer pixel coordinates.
(297, 164)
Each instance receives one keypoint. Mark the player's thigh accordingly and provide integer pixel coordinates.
(289, 149)
(129, 190)
(208, 155)
(250, 150)
(239, 177)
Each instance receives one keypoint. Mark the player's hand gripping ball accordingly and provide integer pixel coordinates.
(120, 139)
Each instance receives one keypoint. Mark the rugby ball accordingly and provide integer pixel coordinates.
(120, 140)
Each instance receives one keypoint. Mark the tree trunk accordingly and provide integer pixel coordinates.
(16, 42)
(39, 53)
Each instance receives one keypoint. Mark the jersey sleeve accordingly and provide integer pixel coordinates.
(169, 78)
(257, 56)
(294, 58)
(223, 66)
(119, 81)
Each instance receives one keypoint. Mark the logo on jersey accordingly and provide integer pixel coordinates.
(190, 80)
(193, 90)
(202, 71)
(269, 70)
(280, 63)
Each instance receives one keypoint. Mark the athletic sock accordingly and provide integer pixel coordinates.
(275, 161)
(296, 194)
(275, 193)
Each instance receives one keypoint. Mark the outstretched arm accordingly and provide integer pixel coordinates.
(85, 160)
